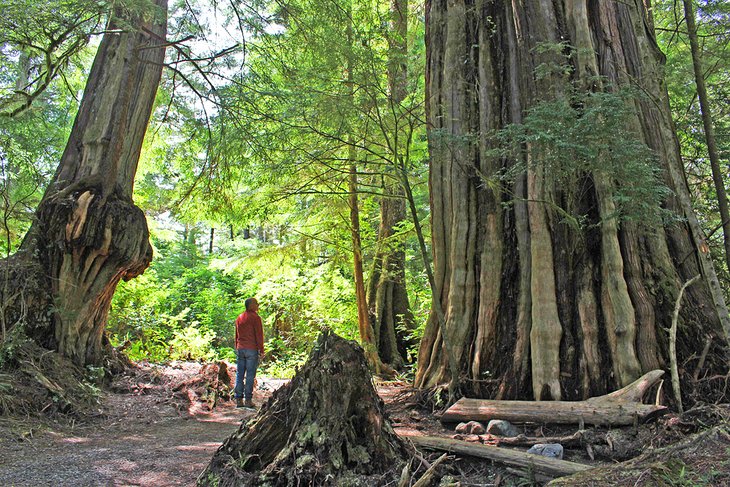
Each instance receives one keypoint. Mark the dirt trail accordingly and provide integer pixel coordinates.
(154, 429)
(147, 436)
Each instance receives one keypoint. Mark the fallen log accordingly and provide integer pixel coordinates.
(622, 407)
(542, 479)
(550, 467)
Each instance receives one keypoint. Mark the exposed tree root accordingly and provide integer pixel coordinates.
(34, 380)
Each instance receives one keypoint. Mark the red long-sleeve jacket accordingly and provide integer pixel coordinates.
(249, 332)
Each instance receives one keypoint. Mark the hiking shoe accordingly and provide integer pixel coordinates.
(249, 404)
(239, 402)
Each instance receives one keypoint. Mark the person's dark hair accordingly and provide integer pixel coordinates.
(248, 302)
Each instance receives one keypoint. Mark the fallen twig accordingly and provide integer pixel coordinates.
(427, 477)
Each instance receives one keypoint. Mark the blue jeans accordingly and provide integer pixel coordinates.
(246, 363)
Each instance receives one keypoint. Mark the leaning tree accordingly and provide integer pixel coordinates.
(87, 233)
(559, 251)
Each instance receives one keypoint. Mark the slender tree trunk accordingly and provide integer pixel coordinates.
(367, 335)
(580, 310)
(717, 175)
(388, 305)
(88, 234)
(387, 298)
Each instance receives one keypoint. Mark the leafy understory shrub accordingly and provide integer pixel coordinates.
(580, 136)
(192, 343)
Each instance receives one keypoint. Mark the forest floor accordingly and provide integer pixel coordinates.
(147, 433)
(155, 427)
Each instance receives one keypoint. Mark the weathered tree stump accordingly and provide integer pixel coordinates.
(326, 425)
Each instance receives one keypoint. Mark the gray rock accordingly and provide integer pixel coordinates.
(551, 450)
(500, 427)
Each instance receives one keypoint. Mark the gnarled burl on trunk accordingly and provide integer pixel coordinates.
(87, 233)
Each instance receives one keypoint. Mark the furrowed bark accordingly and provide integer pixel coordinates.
(88, 234)
(544, 293)
(491, 226)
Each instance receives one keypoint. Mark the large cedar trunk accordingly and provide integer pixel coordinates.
(536, 308)
(87, 233)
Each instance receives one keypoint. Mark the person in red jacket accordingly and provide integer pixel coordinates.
(249, 349)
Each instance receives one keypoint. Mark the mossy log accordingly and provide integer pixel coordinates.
(327, 424)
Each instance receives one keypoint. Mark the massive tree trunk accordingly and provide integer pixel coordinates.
(388, 307)
(87, 233)
(537, 307)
